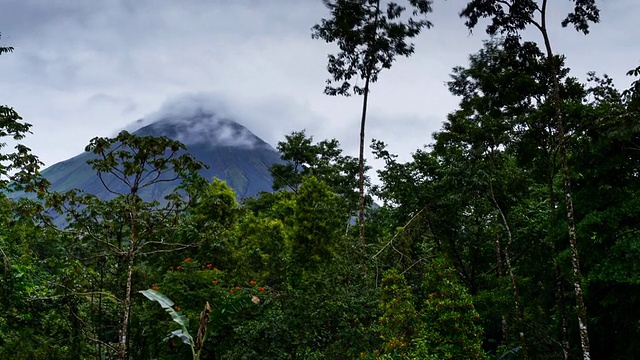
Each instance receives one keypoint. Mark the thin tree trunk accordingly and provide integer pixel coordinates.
(123, 350)
(499, 257)
(581, 309)
(361, 160)
(564, 323)
(100, 323)
(123, 353)
(500, 271)
(560, 296)
(369, 69)
(512, 276)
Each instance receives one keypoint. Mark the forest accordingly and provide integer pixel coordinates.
(513, 234)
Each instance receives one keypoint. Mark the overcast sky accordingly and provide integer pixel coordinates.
(86, 68)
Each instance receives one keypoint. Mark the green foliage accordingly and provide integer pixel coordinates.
(399, 321)
(19, 170)
(316, 225)
(283, 273)
(176, 316)
(451, 322)
(323, 159)
(369, 39)
(216, 206)
(116, 233)
(514, 16)
(183, 333)
(140, 161)
(444, 325)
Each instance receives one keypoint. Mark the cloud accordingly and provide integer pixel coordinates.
(200, 118)
(86, 68)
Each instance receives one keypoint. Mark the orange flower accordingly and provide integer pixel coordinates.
(215, 269)
(214, 282)
(260, 288)
(179, 267)
(154, 287)
(252, 282)
(187, 259)
(237, 287)
(209, 266)
(231, 291)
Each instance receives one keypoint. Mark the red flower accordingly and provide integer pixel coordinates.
(154, 287)
(179, 267)
(214, 282)
(187, 260)
(252, 282)
(209, 266)
(260, 288)
(176, 307)
(231, 291)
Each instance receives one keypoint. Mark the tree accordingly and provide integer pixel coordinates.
(399, 321)
(442, 324)
(321, 306)
(604, 156)
(369, 39)
(511, 17)
(478, 191)
(18, 170)
(30, 311)
(501, 90)
(324, 159)
(126, 228)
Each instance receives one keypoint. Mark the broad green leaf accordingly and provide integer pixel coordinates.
(178, 317)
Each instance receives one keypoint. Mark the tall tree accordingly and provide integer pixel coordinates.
(324, 160)
(369, 39)
(510, 17)
(122, 230)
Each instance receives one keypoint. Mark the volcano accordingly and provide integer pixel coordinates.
(232, 152)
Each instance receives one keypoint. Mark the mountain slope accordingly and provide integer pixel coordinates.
(232, 152)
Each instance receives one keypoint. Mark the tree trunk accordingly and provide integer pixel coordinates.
(361, 161)
(123, 353)
(581, 309)
(500, 274)
(512, 276)
(369, 63)
(564, 323)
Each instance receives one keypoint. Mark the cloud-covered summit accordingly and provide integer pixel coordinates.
(197, 119)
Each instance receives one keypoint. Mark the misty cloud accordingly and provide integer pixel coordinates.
(200, 119)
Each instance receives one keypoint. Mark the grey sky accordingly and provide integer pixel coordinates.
(85, 68)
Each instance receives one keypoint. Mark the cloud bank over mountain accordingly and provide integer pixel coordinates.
(200, 118)
(86, 68)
